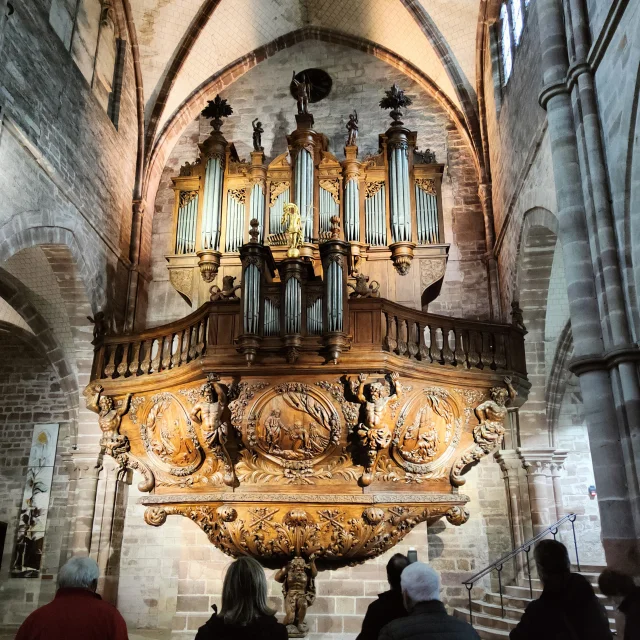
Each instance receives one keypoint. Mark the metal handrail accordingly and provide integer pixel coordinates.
(498, 565)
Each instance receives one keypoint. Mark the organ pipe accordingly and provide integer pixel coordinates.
(352, 211)
(212, 208)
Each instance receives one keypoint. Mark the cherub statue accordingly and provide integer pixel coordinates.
(299, 590)
(363, 290)
(292, 223)
(352, 128)
(491, 414)
(303, 91)
(488, 433)
(376, 432)
(109, 418)
(208, 413)
(228, 291)
(257, 135)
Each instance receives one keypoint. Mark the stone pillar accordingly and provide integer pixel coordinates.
(557, 469)
(537, 464)
(85, 473)
(484, 192)
(108, 527)
(511, 467)
(619, 505)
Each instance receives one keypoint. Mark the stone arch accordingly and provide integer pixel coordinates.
(189, 110)
(29, 230)
(535, 255)
(557, 379)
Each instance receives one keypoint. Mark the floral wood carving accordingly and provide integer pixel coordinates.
(488, 434)
(277, 188)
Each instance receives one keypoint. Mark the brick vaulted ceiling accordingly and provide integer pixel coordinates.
(185, 43)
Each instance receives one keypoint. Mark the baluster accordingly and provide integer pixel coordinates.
(499, 356)
(459, 348)
(193, 341)
(402, 337)
(165, 362)
(184, 341)
(176, 359)
(201, 337)
(123, 367)
(156, 344)
(437, 342)
(473, 355)
(434, 352)
(413, 340)
(423, 349)
(135, 360)
(486, 358)
(146, 361)
(447, 354)
(390, 343)
(110, 369)
(499, 569)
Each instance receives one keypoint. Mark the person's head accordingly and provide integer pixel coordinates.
(552, 560)
(79, 573)
(244, 592)
(395, 567)
(615, 584)
(420, 583)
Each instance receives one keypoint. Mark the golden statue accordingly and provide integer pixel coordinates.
(292, 222)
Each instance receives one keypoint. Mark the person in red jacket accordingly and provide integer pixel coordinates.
(77, 612)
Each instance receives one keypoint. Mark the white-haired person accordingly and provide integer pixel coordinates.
(245, 614)
(77, 611)
(427, 619)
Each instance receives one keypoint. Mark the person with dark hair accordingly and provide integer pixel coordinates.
(389, 604)
(244, 614)
(622, 589)
(568, 608)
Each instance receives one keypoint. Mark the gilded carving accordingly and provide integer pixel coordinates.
(238, 194)
(431, 270)
(428, 185)
(208, 413)
(372, 187)
(333, 187)
(186, 197)
(291, 221)
(277, 189)
(376, 432)
(182, 281)
(488, 433)
(457, 515)
(299, 591)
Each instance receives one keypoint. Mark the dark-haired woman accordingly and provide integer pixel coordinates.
(244, 614)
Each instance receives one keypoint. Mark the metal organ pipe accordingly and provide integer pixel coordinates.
(276, 212)
(212, 204)
(256, 207)
(251, 298)
(351, 212)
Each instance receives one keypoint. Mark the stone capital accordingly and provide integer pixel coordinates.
(509, 461)
(84, 464)
(557, 462)
(536, 461)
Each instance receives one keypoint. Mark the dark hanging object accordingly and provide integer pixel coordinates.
(217, 109)
(319, 80)
(395, 99)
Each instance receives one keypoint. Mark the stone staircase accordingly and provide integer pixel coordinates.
(487, 615)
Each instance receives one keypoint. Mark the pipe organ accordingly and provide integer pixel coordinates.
(389, 204)
(294, 414)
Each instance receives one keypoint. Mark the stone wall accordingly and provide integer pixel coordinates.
(64, 167)
(359, 81)
(29, 394)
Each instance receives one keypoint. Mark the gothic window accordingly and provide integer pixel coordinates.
(505, 44)
(510, 26)
(88, 30)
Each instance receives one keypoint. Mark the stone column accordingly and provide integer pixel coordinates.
(85, 473)
(537, 464)
(108, 526)
(557, 469)
(484, 192)
(620, 513)
(511, 466)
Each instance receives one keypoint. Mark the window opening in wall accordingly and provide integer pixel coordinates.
(113, 110)
(518, 20)
(505, 44)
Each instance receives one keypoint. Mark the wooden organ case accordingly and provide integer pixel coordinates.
(297, 413)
